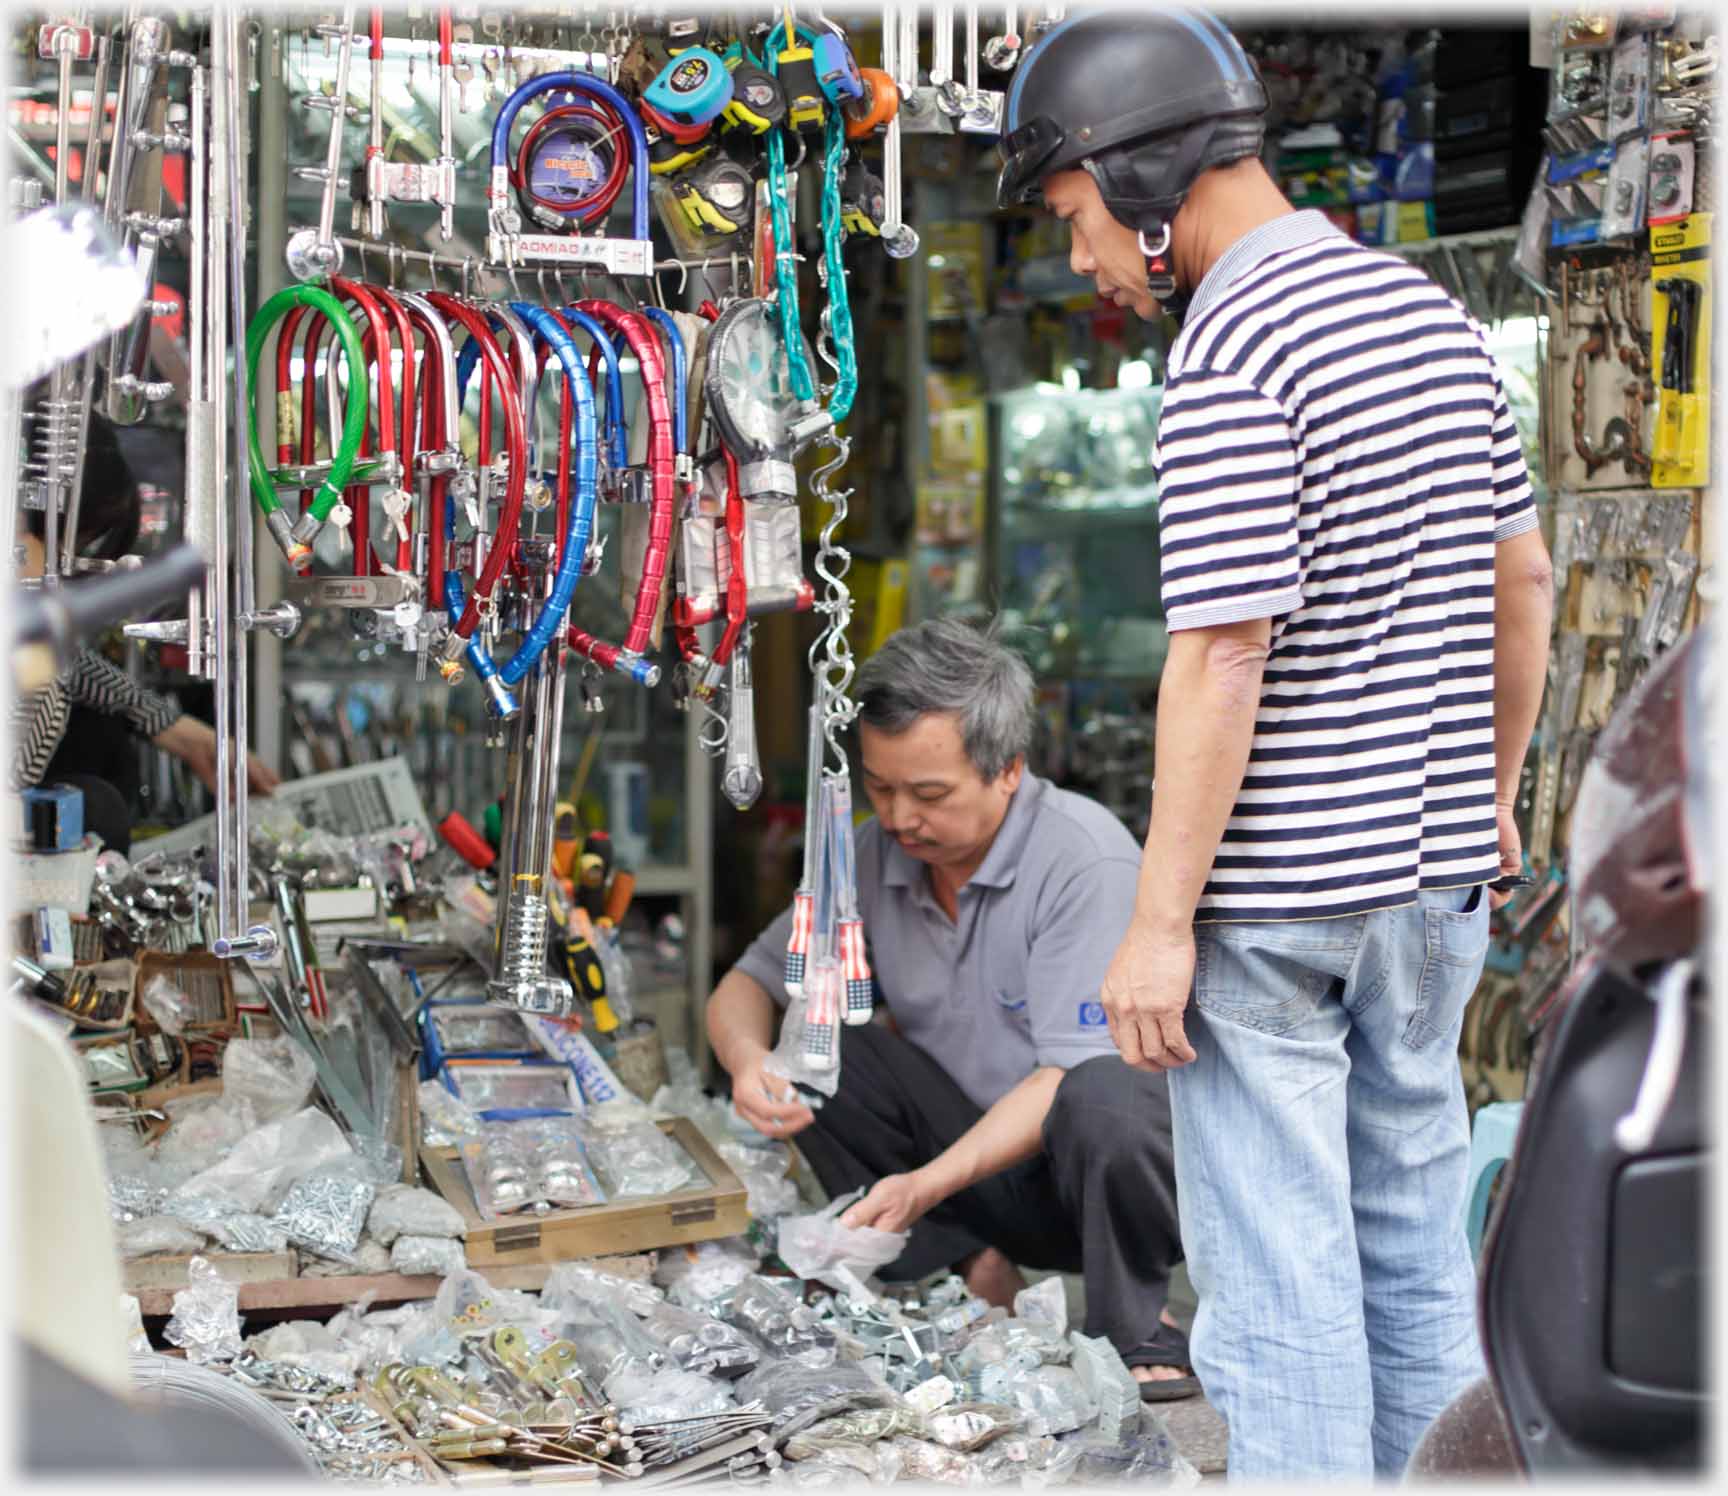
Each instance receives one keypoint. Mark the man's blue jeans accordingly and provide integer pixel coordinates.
(1322, 1149)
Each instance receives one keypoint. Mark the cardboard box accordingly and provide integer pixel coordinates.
(718, 1208)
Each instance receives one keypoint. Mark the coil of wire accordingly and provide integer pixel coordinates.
(167, 1382)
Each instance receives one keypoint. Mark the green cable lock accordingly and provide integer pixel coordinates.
(296, 539)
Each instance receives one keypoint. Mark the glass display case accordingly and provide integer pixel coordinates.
(1075, 530)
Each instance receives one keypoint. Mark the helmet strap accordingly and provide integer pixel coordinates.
(1160, 277)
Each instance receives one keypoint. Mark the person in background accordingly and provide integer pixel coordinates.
(990, 1115)
(1358, 600)
(64, 734)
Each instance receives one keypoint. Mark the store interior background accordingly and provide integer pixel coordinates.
(1002, 450)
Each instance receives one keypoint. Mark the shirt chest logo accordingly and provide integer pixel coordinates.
(1092, 1016)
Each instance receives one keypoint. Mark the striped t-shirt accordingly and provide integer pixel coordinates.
(1335, 453)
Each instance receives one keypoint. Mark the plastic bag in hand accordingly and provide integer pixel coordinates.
(206, 1318)
(274, 1075)
(818, 1246)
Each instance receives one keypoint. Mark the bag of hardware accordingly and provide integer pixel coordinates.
(205, 1322)
(841, 1466)
(418, 1256)
(150, 1235)
(1150, 1455)
(633, 1157)
(787, 1328)
(303, 1344)
(201, 1131)
(252, 1175)
(765, 1174)
(799, 1395)
(407, 1210)
(1045, 1304)
(588, 1284)
(818, 1246)
(923, 1460)
(248, 1233)
(970, 1426)
(325, 1211)
(1054, 1400)
(703, 1274)
(445, 1120)
(469, 1300)
(642, 1395)
(274, 1075)
(701, 1343)
(865, 1429)
(370, 1259)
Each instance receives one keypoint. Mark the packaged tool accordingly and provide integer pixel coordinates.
(1673, 164)
(1680, 351)
(1629, 88)
(1623, 201)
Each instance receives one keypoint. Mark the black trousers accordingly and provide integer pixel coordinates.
(1100, 1199)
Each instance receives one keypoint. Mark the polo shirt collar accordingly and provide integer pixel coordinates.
(902, 870)
(1285, 232)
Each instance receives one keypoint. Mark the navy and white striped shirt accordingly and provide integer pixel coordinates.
(1335, 453)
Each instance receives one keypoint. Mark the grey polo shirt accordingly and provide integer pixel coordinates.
(1012, 984)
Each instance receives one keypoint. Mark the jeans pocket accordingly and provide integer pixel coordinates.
(1256, 986)
(1455, 945)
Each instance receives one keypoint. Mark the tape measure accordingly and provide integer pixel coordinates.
(837, 72)
(692, 89)
(863, 200)
(716, 198)
(758, 102)
(806, 109)
(667, 153)
(878, 104)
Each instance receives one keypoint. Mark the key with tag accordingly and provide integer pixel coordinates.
(463, 71)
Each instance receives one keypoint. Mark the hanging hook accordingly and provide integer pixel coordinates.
(540, 277)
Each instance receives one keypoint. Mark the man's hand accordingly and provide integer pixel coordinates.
(1511, 851)
(893, 1204)
(194, 744)
(765, 1101)
(1145, 993)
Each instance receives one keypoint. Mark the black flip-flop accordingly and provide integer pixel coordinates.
(1167, 1347)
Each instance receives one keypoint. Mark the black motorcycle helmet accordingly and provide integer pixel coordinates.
(1143, 101)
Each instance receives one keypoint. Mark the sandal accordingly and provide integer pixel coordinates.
(1167, 1347)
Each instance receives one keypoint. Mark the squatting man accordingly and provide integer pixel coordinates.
(986, 1108)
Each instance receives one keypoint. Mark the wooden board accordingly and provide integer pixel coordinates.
(721, 1208)
(312, 1295)
(166, 1275)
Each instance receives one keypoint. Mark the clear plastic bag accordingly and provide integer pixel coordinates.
(153, 1234)
(252, 1176)
(788, 1061)
(647, 1396)
(370, 1259)
(1054, 1400)
(922, 1459)
(819, 1246)
(701, 1343)
(970, 1426)
(168, 1005)
(583, 1284)
(637, 1159)
(1045, 1304)
(701, 1275)
(407, 1210)
(201, 1132)
(788, 1329)
(865, 1426)
(274, 1076)
(325, 1211)
(134, 1197)
(206, 1318)
(445, 1121)
(418, 1255)
(770, 1190)
(798, 1396)
(132, 1325)
(1149, 1456)
(467, 1298)
(249, 1233)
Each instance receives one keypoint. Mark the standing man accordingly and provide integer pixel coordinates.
(1358, 603)
(994, 1118)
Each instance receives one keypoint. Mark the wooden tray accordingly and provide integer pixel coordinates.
(721, 1208)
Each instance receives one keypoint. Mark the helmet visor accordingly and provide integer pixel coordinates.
(1027, 152)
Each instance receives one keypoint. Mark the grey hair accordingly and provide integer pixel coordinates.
(945, 665)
